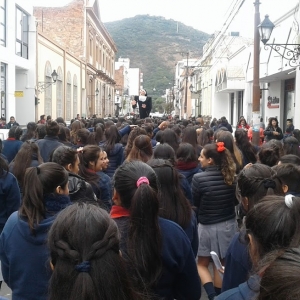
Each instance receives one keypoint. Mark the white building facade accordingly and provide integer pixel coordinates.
(279, 76)
(18, 60)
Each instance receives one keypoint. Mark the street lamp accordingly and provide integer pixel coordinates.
(96, 93)
(42, 85)
(290, 52)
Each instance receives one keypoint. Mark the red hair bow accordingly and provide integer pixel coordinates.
(220, 147)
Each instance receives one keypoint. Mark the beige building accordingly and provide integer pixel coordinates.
(73, 41)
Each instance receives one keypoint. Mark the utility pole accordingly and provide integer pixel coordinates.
(186, 83)
(256, 87)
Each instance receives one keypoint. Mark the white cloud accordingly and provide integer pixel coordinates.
(205, 15)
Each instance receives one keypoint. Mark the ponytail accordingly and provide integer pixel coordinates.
(32, 207)
(89, 153)
(222, 158)
(136, 184)
(38, 182)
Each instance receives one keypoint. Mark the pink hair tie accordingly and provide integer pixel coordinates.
(142, 180)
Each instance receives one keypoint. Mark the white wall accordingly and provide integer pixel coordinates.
(20, 71)
(134, 81)
(221, 105)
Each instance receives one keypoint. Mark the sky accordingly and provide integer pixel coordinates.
(205, 15)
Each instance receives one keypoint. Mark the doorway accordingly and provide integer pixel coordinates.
(289, 100)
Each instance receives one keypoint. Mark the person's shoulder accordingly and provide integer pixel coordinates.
(8, 179)
(171, 227)
(11, 223)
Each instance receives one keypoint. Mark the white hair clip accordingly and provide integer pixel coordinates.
(288, 200)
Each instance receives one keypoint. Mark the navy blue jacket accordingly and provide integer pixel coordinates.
(25, 257)
(214, 199)
(186, 188)
(179, 279)
(47, 145)
(115, 156)
(192, 232)
(188, 174)
(227, 125)
(27, 272)
(125, 130)
(105, 187)
(10, 198)
(237, 264)
(245, 291)
(11, 148)
(34, 163)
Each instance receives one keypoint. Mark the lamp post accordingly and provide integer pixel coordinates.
(42, 85)
(186, 82)
(290, 52)
(256, 87)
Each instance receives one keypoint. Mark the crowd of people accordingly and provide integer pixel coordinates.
(132, 208)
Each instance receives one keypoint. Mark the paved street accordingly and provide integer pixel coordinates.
(5, 291)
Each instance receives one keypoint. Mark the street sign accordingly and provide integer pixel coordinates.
(19, 94)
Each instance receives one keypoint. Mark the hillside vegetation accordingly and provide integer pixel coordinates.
(154, 45)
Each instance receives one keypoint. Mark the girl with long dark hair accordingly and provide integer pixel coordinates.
(113, 148)
(263, 238)
(253, 183)
(28, 156)
(79, 189)
(10, 199)
(93, 269)
(91, 162)
(23, 251)
(173, 205)
(157, 251)
(249, 151)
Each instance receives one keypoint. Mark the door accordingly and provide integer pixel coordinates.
(289, 100)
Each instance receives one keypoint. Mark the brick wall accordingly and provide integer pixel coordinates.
(63, 25)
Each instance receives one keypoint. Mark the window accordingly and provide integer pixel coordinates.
(2, 23)
(68, 103)
(59, 94)
(75, 96)
(3, 90)
(91, 46)
(22, 34)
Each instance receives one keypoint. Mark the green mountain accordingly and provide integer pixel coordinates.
(154, 44)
